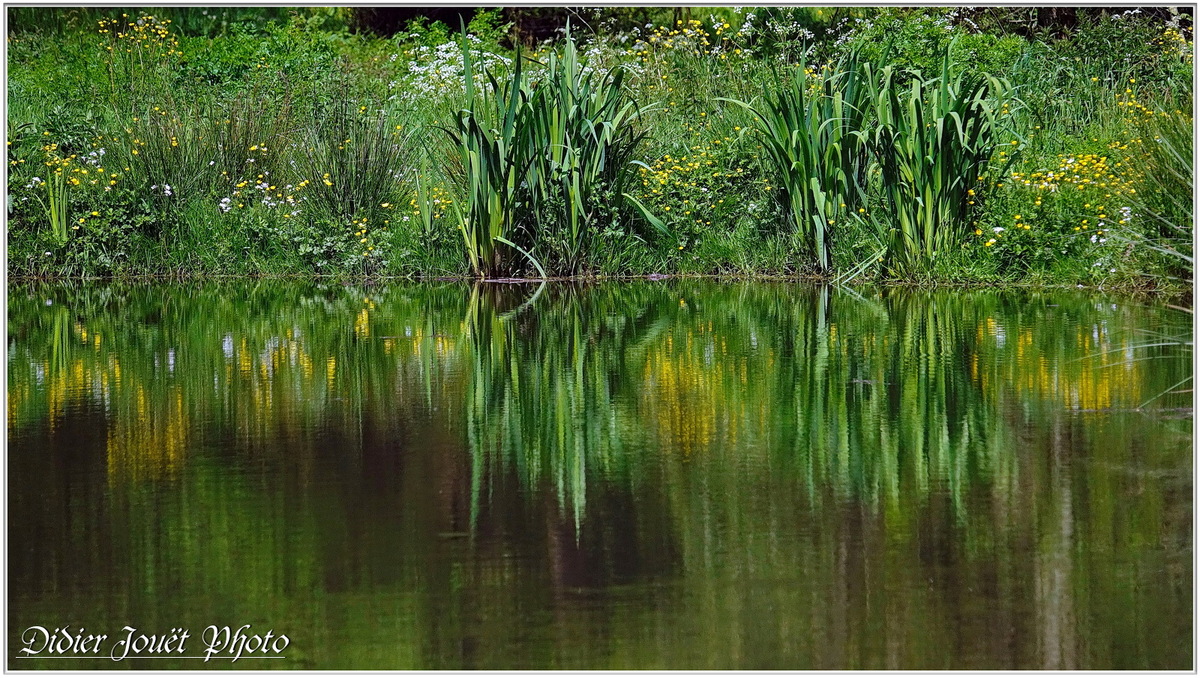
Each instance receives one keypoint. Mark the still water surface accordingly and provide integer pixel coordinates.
(667, 474)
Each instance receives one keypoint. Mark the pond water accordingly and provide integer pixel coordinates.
(646, 475)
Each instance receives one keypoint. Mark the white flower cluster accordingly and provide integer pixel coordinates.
(269, 195)
(789, 29)
(850, 29)
(94, 158)
(954, 16)
(596, 56)
(438, 71)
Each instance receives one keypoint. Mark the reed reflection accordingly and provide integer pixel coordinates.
(683, 473)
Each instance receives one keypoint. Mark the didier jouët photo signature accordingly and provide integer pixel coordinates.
(218, 642)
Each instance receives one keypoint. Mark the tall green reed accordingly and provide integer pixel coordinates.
(491, 137)
(813, 142)
(583, 143)
(176, 154)
(251, 132)
(353, 159)
(543, 160)
(424, 194)
(1165, 201)
(56, 203)
(932, 144)
(141, 56)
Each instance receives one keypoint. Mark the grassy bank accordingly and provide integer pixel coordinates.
(916, 145)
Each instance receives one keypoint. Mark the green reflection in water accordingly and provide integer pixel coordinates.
(672, 474)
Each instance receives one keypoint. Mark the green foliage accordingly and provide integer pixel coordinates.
(140, 58)
(105, 239)
(422, 32)
(537, 156)
(786, 34)
(272, 59)
(584, 121)
(352, 161)
(814, 136)
(1164, 207)
(54, 201)
(494, 149)
(175, 155)
(1152, 52)
(488, 26)
(248, 135)
(932, 145)
(907, 38)
(232, 108)
(918, 38)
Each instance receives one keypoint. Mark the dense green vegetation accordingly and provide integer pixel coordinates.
(905, 144)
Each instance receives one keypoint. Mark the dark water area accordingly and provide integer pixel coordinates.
(647, 475)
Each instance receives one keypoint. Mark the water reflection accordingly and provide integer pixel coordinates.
(673, 474)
